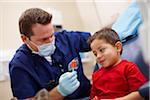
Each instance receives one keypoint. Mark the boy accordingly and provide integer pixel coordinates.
(116, 77)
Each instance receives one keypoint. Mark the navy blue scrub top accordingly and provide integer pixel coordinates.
(30, 72)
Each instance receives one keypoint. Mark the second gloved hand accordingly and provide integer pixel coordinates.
(68, 83)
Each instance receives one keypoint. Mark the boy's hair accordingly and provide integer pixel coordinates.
(32, 16)
(106, 34)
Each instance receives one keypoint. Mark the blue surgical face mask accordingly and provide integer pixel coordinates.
(45, 49)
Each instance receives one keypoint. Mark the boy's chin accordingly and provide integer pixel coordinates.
(105, 66)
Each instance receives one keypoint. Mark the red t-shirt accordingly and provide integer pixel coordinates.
(116, 81)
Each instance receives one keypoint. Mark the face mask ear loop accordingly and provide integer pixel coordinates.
(33, 44)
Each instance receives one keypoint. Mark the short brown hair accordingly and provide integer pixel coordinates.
(106, 34)
(32, 16)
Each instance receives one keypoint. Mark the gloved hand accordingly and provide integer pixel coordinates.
(68, 83)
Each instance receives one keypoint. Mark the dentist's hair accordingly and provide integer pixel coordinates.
(30, 17)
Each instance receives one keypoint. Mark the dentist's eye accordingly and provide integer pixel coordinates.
(52, 36)
(45, 39)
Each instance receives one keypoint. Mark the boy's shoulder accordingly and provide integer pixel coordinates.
(127, 62)
(123, 65)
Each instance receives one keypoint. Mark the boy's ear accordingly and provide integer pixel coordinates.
(118, 45)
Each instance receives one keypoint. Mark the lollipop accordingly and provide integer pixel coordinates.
(74, 64)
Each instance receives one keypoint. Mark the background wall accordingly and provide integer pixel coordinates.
(11, 10)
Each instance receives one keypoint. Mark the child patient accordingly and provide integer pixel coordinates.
(116, 77)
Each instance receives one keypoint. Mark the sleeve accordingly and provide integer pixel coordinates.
(79, 40)
(22, 84)
(135, 78)
(144, 90)
(83, 45)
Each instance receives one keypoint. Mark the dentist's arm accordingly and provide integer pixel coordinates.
(45, 95)
(55, 95)
(68, 83)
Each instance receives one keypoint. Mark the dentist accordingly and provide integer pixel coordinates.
(42, 60)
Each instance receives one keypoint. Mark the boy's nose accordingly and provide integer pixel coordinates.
(99, 56)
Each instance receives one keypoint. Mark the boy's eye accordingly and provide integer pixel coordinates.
(102, 50)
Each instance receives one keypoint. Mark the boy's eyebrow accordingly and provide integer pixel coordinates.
(99, 47)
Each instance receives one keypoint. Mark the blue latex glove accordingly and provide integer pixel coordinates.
(68, 83)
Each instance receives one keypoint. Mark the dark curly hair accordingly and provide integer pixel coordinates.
(106, 34)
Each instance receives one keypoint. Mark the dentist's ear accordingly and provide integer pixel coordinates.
(118, 46)
(24, 38)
